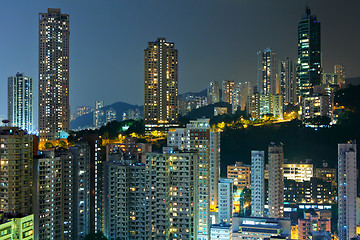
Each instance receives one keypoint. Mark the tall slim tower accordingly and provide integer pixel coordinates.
(257, 183)
(266, 72)
(213, 92)
(276, 181)
(53, 74)
(347, 190)
(309, 53)
(288, 84)
(20, 101)
(161, 85)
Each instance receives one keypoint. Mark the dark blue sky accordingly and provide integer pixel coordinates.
(216, 40)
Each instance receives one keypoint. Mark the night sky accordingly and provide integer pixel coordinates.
(216, 40)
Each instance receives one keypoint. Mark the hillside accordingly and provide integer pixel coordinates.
(119, 107)
(300, 143)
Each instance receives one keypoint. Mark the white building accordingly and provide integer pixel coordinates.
(276, 181)
(222, 231)
(225, 200)
(199, 136)
(20, 101)
(347, 190)
(257, 183)
(298, 172)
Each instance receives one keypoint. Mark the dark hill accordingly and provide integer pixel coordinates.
(119, 107)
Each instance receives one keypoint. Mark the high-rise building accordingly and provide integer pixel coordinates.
(16, 155)
(245, 91)
(257, 183)
(309, 53)
(199, 136)
(53, 75)
(81, 189)
(225, 211)
(253, 106)
(266, 76)
(276, 181)
(126, 214)
(347, 190)
(276, 106)
(288, 84)
(213, 93)
(99, 114)
(172, 191)
(110, 115)
(339, 71)
(20, 101)
(53, 196)
(228, 88)
(80, 111)
(161, 85)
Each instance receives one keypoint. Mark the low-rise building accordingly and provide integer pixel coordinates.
(254, 228)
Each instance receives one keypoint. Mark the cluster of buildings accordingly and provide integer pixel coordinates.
(281, 82)
(128, 191)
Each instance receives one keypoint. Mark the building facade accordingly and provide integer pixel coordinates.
(257, 183)
(225, 210)
(266, 76)
(20, 101)
(16, 170)
(53, 74)
(276, 181)
(347, 190)
(228, 88)
(161, 85)
(309, 53)
(172, 192)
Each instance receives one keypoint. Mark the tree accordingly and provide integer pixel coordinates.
(49, 145)
(95, 236)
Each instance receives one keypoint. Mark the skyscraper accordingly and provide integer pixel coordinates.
(339, 71)
(225, 200)
(171, 185)
(199, 136)
(213, 92)
(228, 88)
(288, 84)
(20, 101)
(266, 76)
(53, 75)
(347, 190)
(276, 181)
(309, 53)
(16, 154)
(257, 183)
(99, 114)
(161, 85)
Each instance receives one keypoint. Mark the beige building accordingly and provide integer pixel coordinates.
(241, 175)
(16, 164)
(161, 85)
(276, 181)
(53, 75)
(228, 88)
(339, 70)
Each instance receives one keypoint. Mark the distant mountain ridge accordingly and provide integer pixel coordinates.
(120, 107)
(353, 81)
(202, 93)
